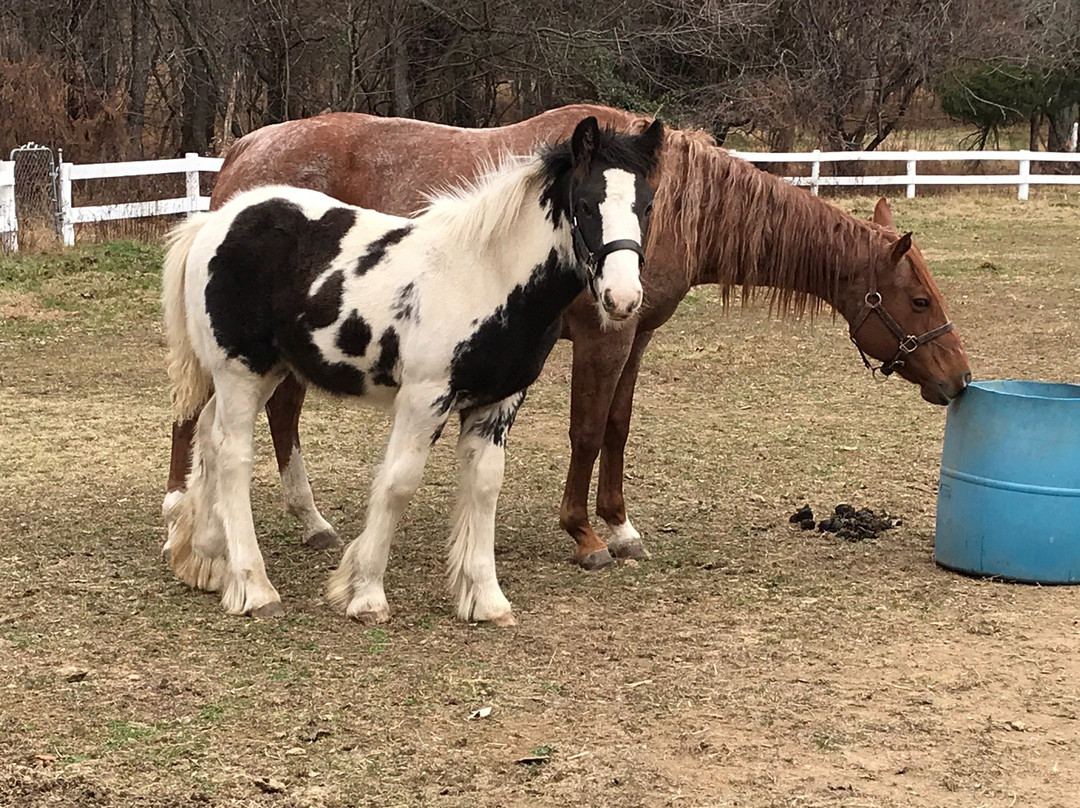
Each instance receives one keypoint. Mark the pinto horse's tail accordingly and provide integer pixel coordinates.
(189, 381)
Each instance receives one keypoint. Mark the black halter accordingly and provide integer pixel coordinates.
(909, 343)
(594, 261)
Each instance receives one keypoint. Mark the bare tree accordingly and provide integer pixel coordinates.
(194, 74)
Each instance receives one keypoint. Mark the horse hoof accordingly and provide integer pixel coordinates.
(323, 540)
(371, 618)
(271, 609)
(596, 560)
(630, 550)
(504, 620)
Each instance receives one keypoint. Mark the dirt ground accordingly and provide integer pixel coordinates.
(748, 663)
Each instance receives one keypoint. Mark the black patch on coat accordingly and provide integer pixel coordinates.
(376, 251)
(382, 372)
(495, 424)
(406, 305)
(257, 292)
(508, 349)
(323, 308)
(354, 336)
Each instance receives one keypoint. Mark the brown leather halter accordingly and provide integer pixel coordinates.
(908, 343)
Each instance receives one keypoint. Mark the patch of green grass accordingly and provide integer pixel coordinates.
(211, 713)
(67, 760)
(829, 740)
(290, 674)
(540, 756)
(96, 286)
(125, 265)
(19, 639)
(121, 733)
(378, 641)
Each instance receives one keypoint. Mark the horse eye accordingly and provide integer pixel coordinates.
(921, 303)
(584, 208)
(648, 209)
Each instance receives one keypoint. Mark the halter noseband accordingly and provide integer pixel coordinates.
(594, 261)
(908, 343)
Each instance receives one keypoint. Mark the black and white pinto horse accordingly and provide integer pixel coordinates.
(453, 311)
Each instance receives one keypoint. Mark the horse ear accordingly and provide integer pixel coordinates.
(652, 137)
(883, 214)
(583, 144)
(900, 249)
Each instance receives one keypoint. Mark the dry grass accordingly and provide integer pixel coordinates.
(747, 664)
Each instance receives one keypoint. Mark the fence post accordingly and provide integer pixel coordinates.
(815, 173)
(1025, 173)
(192, 177)
(67, 227)
(911, 174)
(9, 223)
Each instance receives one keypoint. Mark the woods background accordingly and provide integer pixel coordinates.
(122, 79)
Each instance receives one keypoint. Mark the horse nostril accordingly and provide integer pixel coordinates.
(609, 301)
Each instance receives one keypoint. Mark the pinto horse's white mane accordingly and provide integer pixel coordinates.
(485, 211)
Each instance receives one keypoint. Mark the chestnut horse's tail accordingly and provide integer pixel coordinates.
(189, 381)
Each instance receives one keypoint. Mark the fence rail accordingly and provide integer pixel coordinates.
(191, 165)
(1023, 179)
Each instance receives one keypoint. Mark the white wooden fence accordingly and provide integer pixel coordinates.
(192, 164)
(9, 226)
(1023, 179)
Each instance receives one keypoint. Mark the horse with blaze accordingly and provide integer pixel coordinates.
(454, 311)
(718, 220)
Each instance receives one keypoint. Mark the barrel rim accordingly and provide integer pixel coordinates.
(1026, 388)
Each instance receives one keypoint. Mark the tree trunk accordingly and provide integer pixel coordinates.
(1061, 121)
(200, 102)
(140, 72)
(402, 99)
(275, 91)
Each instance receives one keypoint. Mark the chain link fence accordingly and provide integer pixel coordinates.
(36, 196)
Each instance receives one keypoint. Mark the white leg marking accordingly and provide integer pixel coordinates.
(300, 502)
(471, 562)
(356, 586)
(196, 538)
(625, 541)
(239, 398)
(624, 533)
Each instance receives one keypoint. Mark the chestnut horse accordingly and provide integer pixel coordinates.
(716, 220)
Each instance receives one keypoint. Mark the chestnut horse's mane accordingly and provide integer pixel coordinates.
(751, 231)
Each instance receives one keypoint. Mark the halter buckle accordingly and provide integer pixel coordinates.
(906, 344)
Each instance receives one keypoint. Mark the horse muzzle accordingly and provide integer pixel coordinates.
(942, 392)
(622, 308)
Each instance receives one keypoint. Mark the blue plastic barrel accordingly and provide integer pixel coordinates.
(1009, 498)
